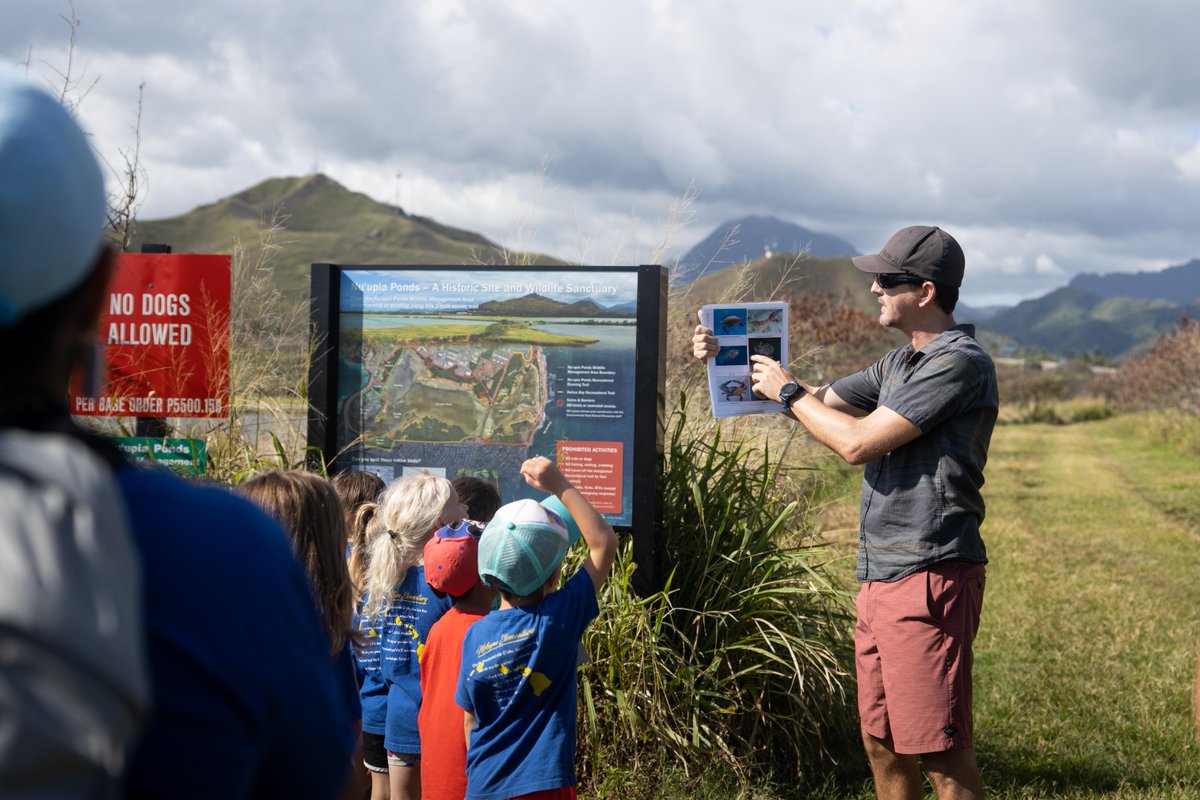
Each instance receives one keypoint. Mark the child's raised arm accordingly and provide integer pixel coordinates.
(540, 473)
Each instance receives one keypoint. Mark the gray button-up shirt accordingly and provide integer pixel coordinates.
(921, 503)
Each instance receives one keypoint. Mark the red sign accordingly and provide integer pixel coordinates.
(165, 331)
(595, 469)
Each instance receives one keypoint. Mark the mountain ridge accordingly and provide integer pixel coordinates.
(536, 305)
(1179, 284)
(291, 222)
(751, 238)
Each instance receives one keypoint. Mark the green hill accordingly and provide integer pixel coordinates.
(320, 220)
(1072, 322)
(780, 276)
(534, 305)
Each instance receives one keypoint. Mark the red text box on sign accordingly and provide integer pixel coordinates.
(595, 469)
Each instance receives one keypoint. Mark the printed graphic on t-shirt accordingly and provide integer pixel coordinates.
(403, 637)
(504, 662)
(366, 653)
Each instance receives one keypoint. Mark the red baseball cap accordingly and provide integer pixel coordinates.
(452, 558)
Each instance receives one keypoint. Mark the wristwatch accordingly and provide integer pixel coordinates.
(790, 393)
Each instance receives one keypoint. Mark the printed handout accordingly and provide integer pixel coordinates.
(743, 330)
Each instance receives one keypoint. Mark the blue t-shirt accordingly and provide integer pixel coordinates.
(413, 610)
(518, 680)
(372, 692)
(347, 674)
(246, 696)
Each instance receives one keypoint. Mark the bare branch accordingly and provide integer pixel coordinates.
(124, 203)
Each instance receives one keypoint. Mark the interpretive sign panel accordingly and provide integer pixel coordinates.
(471, 370)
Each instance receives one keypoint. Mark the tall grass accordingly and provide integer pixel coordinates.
(269, 347)
(741, 661)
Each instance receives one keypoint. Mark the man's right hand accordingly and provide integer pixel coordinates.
(704, 344)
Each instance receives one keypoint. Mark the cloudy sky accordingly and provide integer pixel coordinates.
(1050, 136)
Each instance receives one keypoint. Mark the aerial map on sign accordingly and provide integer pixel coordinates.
(450, 385)
(475, 374)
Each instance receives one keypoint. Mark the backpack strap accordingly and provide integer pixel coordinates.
(73, 680)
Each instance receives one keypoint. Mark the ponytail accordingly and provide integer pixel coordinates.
(360, 543)
(408, 513)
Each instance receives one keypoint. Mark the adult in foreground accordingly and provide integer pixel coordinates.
(74, 689)
(241, 685)
(920, 420)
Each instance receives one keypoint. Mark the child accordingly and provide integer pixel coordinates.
(311, 513)
(481, 497)
(356, 489)
(451, 568)
(372, 690)
(400, 606)
(517, 681)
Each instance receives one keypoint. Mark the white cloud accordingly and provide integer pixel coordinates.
(1051, 136)
(1044, 265)
(1188, 163)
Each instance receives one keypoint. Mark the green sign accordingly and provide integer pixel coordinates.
(186, 456)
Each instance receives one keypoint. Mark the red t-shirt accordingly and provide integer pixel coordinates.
(440, 720)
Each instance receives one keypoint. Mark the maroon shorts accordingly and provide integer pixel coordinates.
(912, 648)
(565, 793)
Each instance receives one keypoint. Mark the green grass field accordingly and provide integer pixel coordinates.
(1089, 638)
(1088, 643)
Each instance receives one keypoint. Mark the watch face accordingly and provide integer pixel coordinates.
(788, 393)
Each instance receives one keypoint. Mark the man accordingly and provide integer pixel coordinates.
(921, 420)
(242, 688)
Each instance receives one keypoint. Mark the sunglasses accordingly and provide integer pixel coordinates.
(890, 280)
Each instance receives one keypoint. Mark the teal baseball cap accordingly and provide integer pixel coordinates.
(521, 547)
(573, 533)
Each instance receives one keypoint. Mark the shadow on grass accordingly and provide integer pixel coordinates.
(1022, 772)
(1007, 773)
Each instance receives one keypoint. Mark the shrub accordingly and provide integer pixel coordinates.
(1165, 376)
(1056, 412)
(742, 661)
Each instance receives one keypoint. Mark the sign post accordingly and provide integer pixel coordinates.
(153, 427)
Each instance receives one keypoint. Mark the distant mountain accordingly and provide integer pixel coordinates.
(319, 220)
(752, 238)
(976, 314)
(777, 278)
(1179, 285)
(535, 305)
(1064, 322)
(1069, 321)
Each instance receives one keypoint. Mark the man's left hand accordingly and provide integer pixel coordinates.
(768, 377)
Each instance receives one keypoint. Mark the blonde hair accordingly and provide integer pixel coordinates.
(408, 513)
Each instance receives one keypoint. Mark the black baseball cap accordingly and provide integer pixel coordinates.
(922, 250)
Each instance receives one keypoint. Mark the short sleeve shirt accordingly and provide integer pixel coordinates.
(518, 679)
(372, 689)
(921, 503)
(441, 720)
(413, 610)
